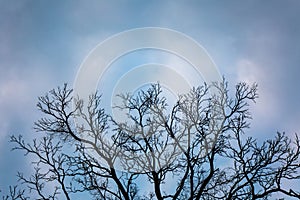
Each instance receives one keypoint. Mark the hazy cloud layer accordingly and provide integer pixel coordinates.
(42, 44)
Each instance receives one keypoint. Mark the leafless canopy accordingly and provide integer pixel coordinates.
(194, 149)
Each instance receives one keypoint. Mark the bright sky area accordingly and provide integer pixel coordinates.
(43, 43)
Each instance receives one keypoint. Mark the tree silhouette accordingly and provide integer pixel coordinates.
(194, 149)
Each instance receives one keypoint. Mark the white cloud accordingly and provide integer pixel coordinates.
(265, 110)
(248, 72)
(13, 100)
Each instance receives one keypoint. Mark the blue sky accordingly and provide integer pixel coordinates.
(43, 43)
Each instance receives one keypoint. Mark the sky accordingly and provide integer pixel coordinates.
(43, 43)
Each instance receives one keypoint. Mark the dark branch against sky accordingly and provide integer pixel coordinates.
(43, 44)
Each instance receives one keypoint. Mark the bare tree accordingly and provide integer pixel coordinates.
(197, 146)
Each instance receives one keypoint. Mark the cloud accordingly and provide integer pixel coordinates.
(14, 105)
(265, 110)
(43, 44)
